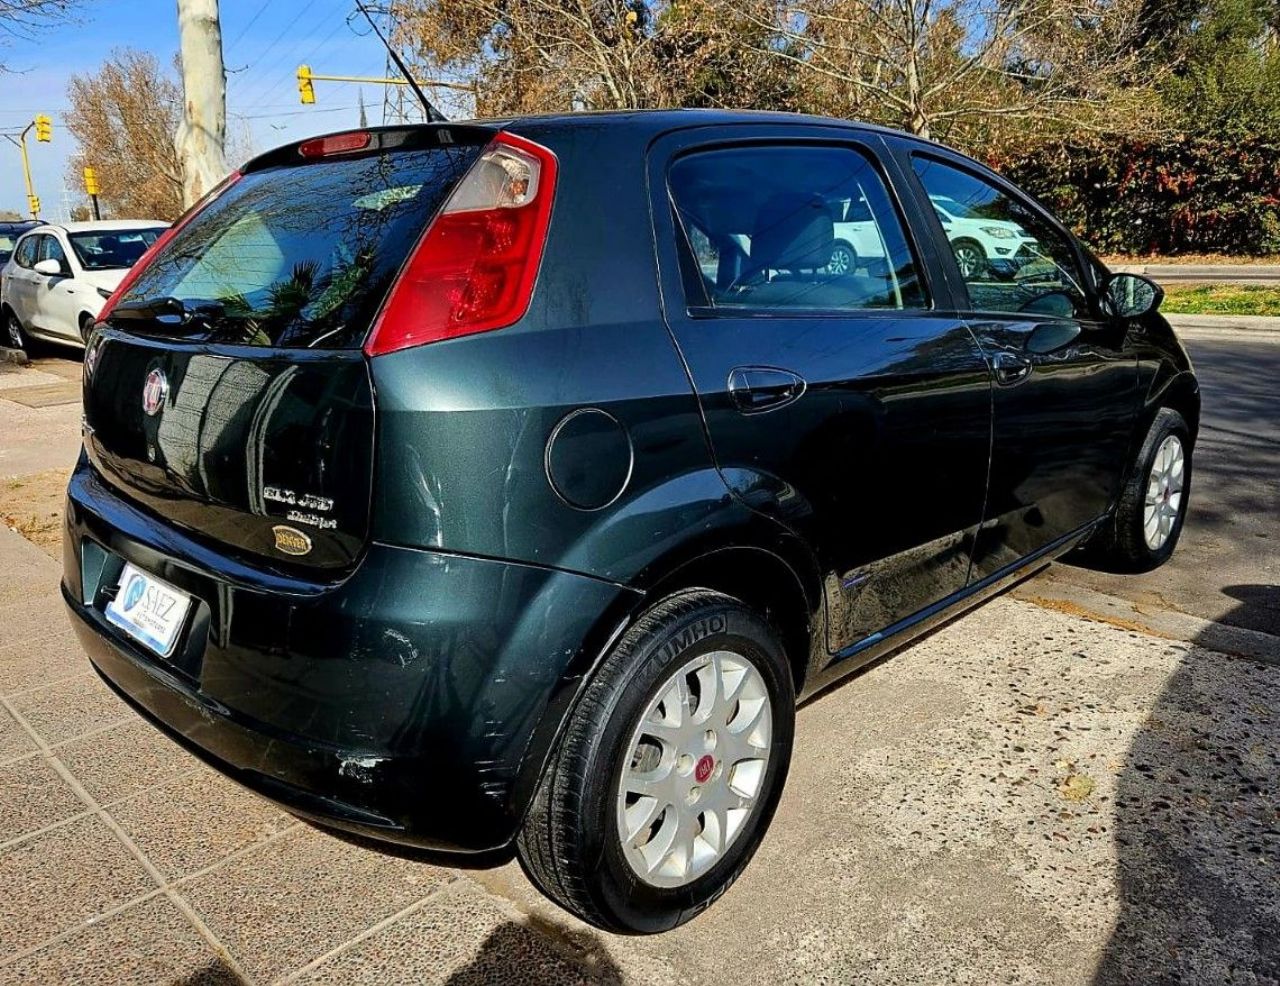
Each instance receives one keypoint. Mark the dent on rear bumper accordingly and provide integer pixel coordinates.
(410, 702)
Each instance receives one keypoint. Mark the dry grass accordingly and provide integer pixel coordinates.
(32, 506)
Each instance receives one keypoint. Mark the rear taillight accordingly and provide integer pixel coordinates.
(355, 140)
(475, 266)
(161, 242)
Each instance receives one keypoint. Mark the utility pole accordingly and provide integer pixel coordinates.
(202, 134)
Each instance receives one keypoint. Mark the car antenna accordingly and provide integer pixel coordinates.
(433, 114)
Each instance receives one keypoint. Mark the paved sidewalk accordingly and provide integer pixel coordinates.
(1025, 797)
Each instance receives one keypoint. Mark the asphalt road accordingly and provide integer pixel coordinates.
(1227, 566)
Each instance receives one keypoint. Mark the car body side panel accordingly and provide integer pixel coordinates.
(880, 465)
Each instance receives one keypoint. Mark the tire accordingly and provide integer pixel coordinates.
(571, 844)
(15, 335)
(970, 257)
(844, 259)
(1127, 544)
(86, 326)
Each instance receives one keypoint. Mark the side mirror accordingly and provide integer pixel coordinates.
(1132, 295)
(49, 267)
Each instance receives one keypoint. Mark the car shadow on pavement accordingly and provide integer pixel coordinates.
(1198, 826)
(513, 953)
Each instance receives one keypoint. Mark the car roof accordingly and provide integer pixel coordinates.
(107, 225)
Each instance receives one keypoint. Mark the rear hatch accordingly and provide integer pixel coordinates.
(226, 390)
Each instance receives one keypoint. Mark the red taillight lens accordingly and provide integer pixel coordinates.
(475, 266)
(161, 242)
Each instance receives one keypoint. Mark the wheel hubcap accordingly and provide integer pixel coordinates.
(15, 334)
(1164, 493)
(840, 261)
(695, 769)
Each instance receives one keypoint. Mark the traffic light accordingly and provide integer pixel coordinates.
(306, 89)
(91, 181)
(33, 201)
(44, 128)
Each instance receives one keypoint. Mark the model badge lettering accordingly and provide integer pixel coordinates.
(290, 540)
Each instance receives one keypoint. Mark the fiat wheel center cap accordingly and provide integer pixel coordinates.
(704, 768)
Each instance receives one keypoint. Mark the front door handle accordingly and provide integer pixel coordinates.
(1010, 368)
(755, 389)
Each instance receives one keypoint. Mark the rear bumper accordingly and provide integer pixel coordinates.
(413, 702)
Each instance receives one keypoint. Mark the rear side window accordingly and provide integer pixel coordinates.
(791, 228)
(1011, 258)
(299, 255)
(26, 256)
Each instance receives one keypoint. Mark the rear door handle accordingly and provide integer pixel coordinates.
(755, 389)
(1010, 368)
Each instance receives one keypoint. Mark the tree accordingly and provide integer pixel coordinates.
(124, 117)
(548, 55)
(202, 131)
(963, 69)
(10, 216)
(20, 19)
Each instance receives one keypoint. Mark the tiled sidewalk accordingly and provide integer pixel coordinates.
(123, 859)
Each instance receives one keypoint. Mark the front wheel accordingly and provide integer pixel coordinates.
(1153, 503)
(670, 768)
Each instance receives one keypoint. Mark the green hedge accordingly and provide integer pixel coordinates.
(1178, 196)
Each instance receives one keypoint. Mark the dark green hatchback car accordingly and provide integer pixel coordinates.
(499, 487)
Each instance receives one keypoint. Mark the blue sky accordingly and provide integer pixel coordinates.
(264, 41)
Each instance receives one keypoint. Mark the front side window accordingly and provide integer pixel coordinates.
(1011, 258)
(790, 228)
(115, 249)
(51, 249)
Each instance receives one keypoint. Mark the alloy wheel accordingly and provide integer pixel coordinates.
(14, 331)
(695, 769)
(1164, 492)
(970, 259)
(841, 261)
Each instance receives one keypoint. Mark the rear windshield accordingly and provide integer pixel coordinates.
(114, 249)
(6, 247)
(298, 255)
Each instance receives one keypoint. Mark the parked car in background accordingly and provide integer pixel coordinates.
(59, 275)
(983, 240)
(9, 233)
(418, 499)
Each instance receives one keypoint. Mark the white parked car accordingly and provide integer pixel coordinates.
(58, 277)
(982, 244)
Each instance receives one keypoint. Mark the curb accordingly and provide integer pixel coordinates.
(1230, 323)
(1253, 645)
(18, 356)
(1206, 273)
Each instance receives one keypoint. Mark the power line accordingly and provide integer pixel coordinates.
(245, 30)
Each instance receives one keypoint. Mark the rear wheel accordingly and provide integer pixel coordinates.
(669, 770)
(1153, 504)
(843, 259)
(14, 333)
(970, 257)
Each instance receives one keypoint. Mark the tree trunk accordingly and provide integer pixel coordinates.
(202, 134)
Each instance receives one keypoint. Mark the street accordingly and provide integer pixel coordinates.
(1043, 791)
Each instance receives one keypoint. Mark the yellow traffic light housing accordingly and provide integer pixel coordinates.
(91, 181)
(306, 88)
(44, 128)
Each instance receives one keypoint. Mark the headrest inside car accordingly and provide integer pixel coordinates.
(792, 233)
